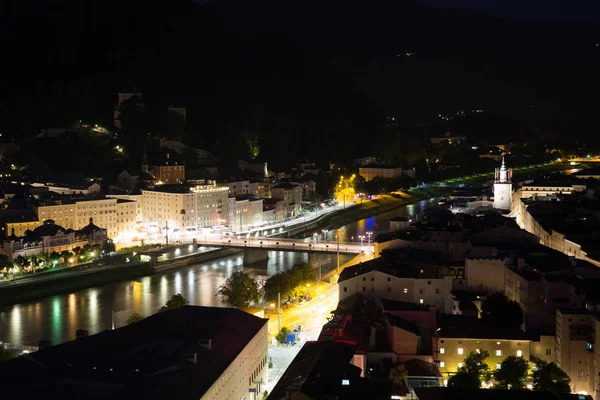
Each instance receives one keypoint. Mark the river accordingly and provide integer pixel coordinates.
(56, 318)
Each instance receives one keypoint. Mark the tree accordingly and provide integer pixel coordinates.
(549, 376)
(500, 312)
(109, 247)
(239, 290)
(66, 254)
(4, 355)
(474, 371)
(512, 373)
(251, 141)
(176, 301)
(54, 258)
(135, 317)
(282, 335)
(398, 374)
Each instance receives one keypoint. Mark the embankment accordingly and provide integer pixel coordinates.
(71, 282)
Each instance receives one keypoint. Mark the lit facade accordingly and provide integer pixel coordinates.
(291, 194)
(451, 351)
(374, 171)
(503, 187)
(168, 173)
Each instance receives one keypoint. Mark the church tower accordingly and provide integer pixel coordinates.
(503, 187)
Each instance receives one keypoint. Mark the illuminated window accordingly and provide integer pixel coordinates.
(442, 350)
(445, 382)
(442, 364)
(420, 301)
(405, 290)
(498, 352)
(459, 365)
(519, 353)
(460, 350)
(498, 366)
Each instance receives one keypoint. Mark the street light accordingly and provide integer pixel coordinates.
(369, 234)
(361, 237)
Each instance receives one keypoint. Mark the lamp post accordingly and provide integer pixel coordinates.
(338, 253)
(278, 312)
(325, 235)
(361, 237)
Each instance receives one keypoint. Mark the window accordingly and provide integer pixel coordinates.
(548, 352)
(345, 289)
(389, 279)
(442, 364)
(437, 291)
(429, 282)
(405, 290)
(580, 373)
(372, 279)
(459, 365)
(421, 291)
(445, 382)
(498, 366)
(364, 279)
(420, 301)
(364, 289)
(519, 353)
(460, 350)
(442, 350)
(498, 352)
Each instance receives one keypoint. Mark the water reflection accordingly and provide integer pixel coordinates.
(57, 318)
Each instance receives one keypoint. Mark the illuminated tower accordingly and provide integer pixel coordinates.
(503, 187)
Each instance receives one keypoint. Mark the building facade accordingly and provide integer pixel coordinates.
(380, 171)
(291, 195)
(503, 187)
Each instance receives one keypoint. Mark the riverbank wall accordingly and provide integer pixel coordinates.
(69, 282)
(194, 258)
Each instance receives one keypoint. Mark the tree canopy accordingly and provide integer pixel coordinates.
(177, 300)
(474, 371)
(398, 374)
(239, 290)
(549, 376)
(500, 312)
(135, 317)
(290, 283)
(512, 373)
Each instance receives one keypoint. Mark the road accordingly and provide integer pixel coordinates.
(312, 315)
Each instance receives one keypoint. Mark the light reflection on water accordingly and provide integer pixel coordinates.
(56, 318)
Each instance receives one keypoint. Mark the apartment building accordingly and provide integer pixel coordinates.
(380, 171)
(577, 335)
(407, 281)
(453, 344)
(168, 173)
(75, 213)
(291, 195)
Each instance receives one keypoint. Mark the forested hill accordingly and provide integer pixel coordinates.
(68, 59)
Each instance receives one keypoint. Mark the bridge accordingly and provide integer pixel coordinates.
(256, 249)
(279, 244)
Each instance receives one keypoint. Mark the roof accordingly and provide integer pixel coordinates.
(445, 393)
(148, 359)
(401, 263)
(317, 372)
(90, 228)
(49, 228)
(285, 185)
(380, 166)
(397, 305)
(482, 332)
(171, 188)
(401, 323)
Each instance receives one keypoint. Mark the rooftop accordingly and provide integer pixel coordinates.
(445, 393)
(401, 323)
(397, 305)
(482, 332)
(285, 185)
(172, 188)
(148, 359)
(391, 266)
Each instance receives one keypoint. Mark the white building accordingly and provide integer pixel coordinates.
(185, 209)
(404, 282)
(503, 187)
(107, 213)
(291, 194)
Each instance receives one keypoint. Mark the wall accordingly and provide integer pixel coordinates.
(450, 356)
(485, 274)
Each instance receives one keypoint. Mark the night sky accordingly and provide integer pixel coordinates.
(521, 9)
(527, 9)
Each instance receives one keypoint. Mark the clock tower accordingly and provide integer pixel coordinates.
(503, 187)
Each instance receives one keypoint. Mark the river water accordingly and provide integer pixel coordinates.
(56, 318)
